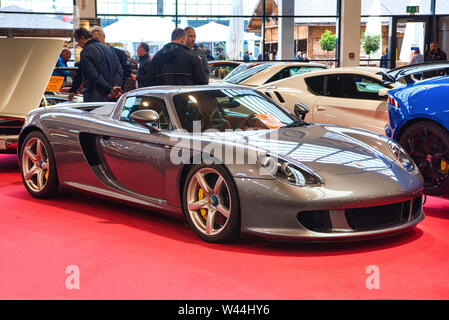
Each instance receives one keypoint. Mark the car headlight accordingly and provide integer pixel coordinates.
(401, 155)
(285, 171)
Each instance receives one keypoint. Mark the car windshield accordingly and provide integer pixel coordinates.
(237, 70)
(229, 109)
(242, 76)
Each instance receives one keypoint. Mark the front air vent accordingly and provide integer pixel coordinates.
(318, 221)
(268, 95)
(278, 95)
(362, 219)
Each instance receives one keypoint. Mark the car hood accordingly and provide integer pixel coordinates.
(26, 65)
(330, 149)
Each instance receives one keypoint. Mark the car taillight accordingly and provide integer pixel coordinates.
(393, 102)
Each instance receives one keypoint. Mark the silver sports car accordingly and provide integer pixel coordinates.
(228, 160)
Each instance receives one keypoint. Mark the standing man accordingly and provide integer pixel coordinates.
(64, 57)
(100, 69)
(144, 65)
(199, 52)
(384, 60)
(176, 64)
(434, 53)
(98, 33)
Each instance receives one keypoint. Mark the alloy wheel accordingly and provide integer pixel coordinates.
(35, 164)
(208, 201)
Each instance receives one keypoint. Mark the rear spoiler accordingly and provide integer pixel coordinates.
(407, 71)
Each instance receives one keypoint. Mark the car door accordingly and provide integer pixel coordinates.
(352, 100)
(135, 156)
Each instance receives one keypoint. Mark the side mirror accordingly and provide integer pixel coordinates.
(301, 110)
(147, 118)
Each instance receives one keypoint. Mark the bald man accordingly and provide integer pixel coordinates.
(64, 57)
(199, 52)
(98, 33)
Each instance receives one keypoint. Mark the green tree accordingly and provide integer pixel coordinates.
(328, 42)
(370, 44)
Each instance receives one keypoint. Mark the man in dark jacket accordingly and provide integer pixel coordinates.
(434, 53)
(176, 64)
(98, 33)
(100, 68)
(144, 58)
(198, 51)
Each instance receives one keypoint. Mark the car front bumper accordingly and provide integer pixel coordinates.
(280, 212)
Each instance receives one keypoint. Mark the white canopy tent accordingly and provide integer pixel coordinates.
(217, 32)
(154, 30)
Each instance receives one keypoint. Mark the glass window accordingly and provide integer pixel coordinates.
(221, 70)
(315, 85)
(315, 8)
(49, 6)
(238, 78)
(133, 104)
(393, 8)
(290, 72)
(229, 109)
(442, 7)
(353, 87)
(333, 87)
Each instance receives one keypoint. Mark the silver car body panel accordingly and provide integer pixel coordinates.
(96, 152)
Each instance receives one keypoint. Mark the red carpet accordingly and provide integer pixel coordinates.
(127, 253)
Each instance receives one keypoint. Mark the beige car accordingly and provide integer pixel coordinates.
(354, 97)
(268, 72)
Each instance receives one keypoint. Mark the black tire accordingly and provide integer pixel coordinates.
(50, 186)
(230, 231)
(428, 145)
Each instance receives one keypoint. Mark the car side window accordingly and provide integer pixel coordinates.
(315, 85)
(368, 88)
(284, 73)
(342, 86)
(133, 104)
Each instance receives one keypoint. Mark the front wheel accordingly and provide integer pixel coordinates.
(37, 166)
(428, 145)
(211, 204)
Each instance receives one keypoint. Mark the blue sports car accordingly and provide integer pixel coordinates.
(419, 120)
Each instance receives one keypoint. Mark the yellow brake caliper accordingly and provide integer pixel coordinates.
(201, 197)
(444, 166)
(48, 170)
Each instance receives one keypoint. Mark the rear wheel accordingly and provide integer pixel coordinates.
(428, 145)
(211, 204)
(38, 166)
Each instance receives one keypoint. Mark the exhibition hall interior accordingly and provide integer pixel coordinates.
(224, 150)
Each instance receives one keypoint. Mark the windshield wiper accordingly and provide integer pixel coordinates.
(296, 124)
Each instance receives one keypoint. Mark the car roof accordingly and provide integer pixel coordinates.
(371, 71)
